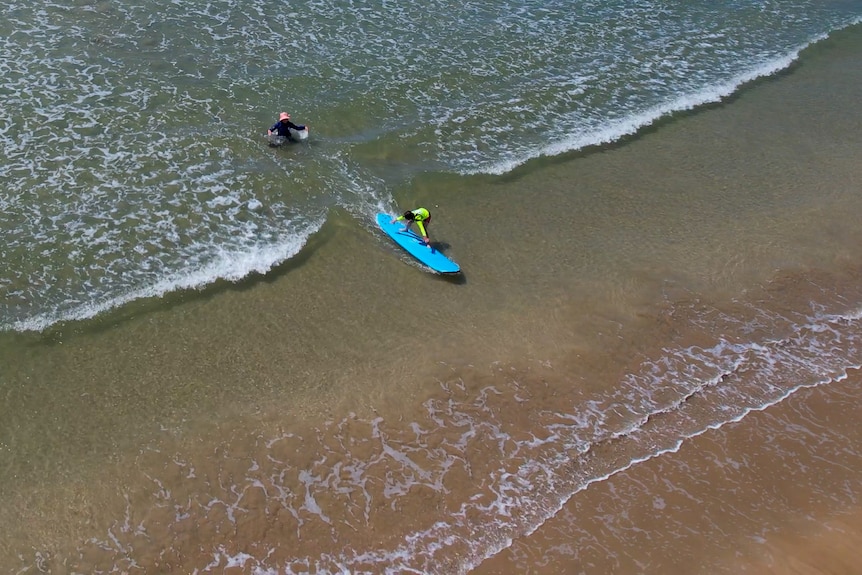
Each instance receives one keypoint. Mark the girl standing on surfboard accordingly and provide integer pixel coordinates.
(421, 216)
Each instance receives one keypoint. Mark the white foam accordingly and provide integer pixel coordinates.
(615, 130)
(231, 266)
(664, 402)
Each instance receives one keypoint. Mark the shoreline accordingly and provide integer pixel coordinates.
(577, 273)
(736, 491)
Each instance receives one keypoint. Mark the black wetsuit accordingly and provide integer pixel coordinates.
(281, 128)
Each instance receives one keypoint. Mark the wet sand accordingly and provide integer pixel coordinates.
(776, 493)
(831, 546)
(327, 411)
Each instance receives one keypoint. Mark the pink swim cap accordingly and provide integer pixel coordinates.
(284, 116)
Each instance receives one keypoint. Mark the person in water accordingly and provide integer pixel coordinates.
(283, 126)
(421, 216)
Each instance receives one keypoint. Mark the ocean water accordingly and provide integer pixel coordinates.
(134, 163)
(647, 270)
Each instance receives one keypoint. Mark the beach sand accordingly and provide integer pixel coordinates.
(348, 398)
(752, 497)
(832, 546)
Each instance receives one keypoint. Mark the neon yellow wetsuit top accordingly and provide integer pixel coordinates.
(419, 215)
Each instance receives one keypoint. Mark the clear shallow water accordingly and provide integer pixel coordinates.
(486, 456)
(434, 484)
(748, 497)
(136, 445)
(133, 158)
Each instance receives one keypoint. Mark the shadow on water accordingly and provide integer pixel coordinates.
(128, 311)
(455, 279)
(655, 125)
(110, 319)
(440, 246)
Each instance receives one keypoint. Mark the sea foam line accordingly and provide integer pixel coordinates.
(551, 512)
(398, 560)
(496, 541)
(630, 125)
(229, 265)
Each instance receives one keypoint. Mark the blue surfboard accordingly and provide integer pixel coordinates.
(414, 245)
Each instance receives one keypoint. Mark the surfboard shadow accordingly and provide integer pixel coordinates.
(457, 278)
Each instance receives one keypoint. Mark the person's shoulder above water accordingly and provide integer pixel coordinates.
(283, 126)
